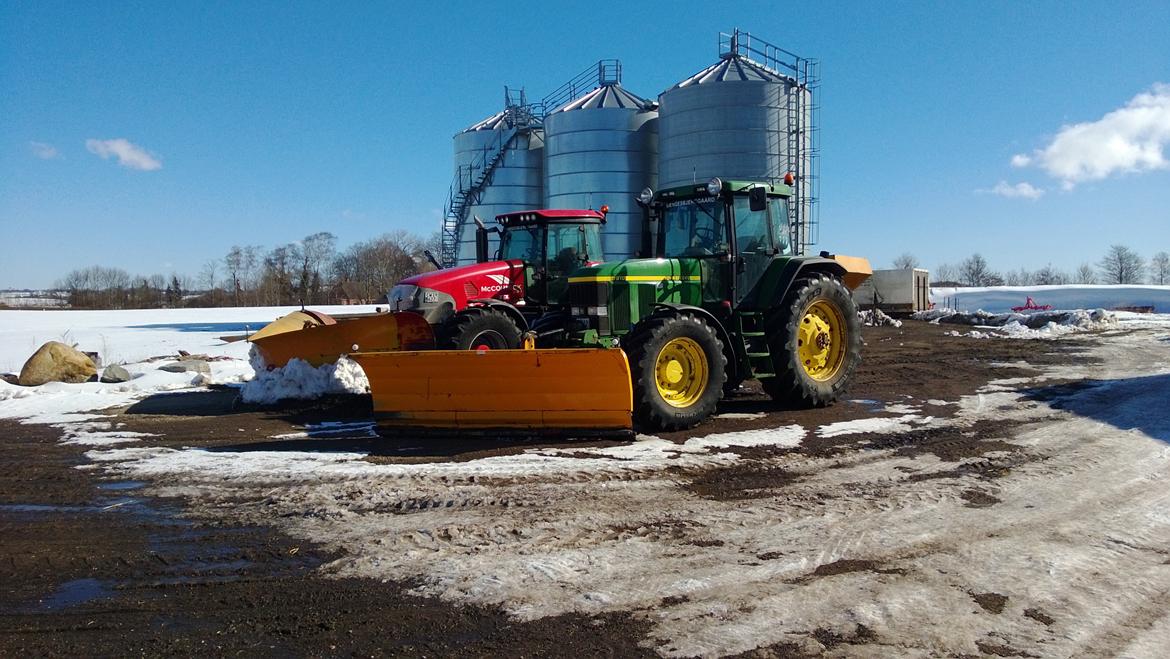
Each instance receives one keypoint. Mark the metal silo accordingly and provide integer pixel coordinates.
(498, 165)
(601, 150)
(744, 119)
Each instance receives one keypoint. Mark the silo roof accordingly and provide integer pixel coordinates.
(735, 68)
(494, 122)
(607, 96)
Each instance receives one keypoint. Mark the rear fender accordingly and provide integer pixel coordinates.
(505, 308)
(852, 271)
(729, 348)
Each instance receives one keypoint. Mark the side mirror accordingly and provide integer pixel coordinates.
(481, 241)
(758, 199)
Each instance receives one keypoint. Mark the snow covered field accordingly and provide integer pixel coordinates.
(131, 337)
(1001, 299)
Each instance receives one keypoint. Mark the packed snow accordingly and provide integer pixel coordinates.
(143, 341)
(1001, 299)
(1030, 325)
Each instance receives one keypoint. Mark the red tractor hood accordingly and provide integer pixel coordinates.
(502, 280)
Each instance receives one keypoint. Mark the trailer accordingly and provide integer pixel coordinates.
(896, 292)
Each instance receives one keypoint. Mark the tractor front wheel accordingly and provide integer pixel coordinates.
(678, 370)
(477, 328)
(815, 338)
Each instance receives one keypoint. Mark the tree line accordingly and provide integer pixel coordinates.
(309, 271)
(1119, 265)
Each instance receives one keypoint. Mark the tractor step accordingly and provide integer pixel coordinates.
(754, 333)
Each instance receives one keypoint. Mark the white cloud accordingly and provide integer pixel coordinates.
(1129, 139)
(1019, 190)
(43, 151)
(129, 155)
(1020, 160)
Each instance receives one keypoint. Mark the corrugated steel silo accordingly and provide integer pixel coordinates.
(739, 119)
(510, 151)
(601, 149)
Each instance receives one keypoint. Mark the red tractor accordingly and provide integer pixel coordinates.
(490, 303)
(487, 304)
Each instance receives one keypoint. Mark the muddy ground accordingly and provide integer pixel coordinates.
(95, 567)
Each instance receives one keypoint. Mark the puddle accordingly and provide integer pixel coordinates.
(42, 508)
(122, 485)
(78, 591)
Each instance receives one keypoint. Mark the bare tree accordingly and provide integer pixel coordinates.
(906, 261)
(208, 274)
(945, 272)
(974, 272)
(1122, 265)
(1160, 269)
(1085, 275)
(1049, 276)
(1019, 277)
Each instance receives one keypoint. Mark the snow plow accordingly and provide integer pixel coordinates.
(320, 339)
(653, 343)
(529, 391)
(485, 304)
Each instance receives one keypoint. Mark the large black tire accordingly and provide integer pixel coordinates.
(475, 327)
(801, 382)
(650, 346)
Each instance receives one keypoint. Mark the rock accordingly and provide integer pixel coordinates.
(94, 357)
(114, 373)
(187, 366)
(56, 362)
(10, 378)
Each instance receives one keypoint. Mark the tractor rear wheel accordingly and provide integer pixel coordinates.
(815, 340)
(476, 327)
(678, 370)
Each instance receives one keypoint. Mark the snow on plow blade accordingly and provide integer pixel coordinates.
(539, 391)
(320, 339)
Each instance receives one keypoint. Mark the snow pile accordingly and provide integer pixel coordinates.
(1077, 296)
(1036, 325)
(300, 380)
(877, 318)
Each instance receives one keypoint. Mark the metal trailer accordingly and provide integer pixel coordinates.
(896, 292)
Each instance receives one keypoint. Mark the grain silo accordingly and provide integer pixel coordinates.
(498, 165)
(601, 149)
(744, 118)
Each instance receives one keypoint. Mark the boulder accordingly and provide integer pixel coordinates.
(10, 378)
(187, 366)
(114, 373)
(57, 362)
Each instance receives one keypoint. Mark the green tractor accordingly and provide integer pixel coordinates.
(723, 299)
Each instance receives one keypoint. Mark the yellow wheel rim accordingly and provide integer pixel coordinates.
(680, 372)
(821, 341)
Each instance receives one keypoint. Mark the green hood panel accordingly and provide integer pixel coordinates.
(640, 271)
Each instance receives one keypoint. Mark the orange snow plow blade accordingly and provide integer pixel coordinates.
(320, 339)
(537, 391)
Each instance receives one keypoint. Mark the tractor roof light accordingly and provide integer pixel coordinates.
(789, 179)
(645, 196)
(715, 186)
(605, 209)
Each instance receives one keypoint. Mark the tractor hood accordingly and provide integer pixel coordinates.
(439, 294)
(640, 270)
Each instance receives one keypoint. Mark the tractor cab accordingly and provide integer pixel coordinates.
(734, 229)
(551, 244)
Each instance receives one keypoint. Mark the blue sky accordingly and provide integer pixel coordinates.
(260, 123)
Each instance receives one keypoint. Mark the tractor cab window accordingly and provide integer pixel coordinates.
(522, 242)
(778, 216)
(694, 228)
(570, 245)
(751, 228)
